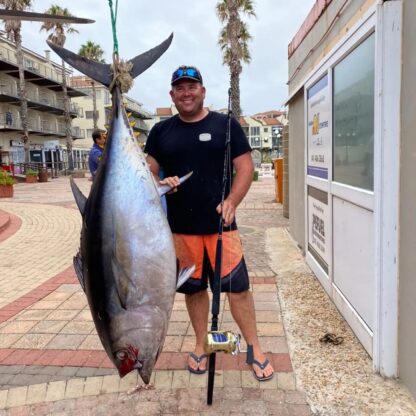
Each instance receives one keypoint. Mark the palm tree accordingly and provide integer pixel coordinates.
(13, 31)
(93, 51)
(58, 37)
(233, 40)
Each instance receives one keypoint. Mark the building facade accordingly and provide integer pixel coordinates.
(352, 165)
(138, 116)
(45, 102)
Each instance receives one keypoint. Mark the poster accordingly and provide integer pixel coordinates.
(318, 225)
(318, 129)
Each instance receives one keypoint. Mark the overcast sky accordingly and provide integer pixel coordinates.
(142, 24)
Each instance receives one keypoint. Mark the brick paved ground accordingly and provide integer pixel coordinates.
(51, 360)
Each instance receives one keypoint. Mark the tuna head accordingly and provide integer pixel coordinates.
(137, 339)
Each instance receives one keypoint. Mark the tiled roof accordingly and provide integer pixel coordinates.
(163, 111)
(243, 122)
(269, 114)
(318, 8)
(271, 122)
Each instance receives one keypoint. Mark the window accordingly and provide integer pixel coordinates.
(353, 103)
(89, 114)
(254, 131)
(266, 129)
(106, 98)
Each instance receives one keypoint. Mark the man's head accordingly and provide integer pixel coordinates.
(99, 136)
(188, 93)
(186, 72)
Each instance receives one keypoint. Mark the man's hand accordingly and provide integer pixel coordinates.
(172, 181)
(228, 211)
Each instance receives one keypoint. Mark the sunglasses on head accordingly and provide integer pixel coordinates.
(186, 72)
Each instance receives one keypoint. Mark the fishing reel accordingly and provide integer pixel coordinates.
(222, 341)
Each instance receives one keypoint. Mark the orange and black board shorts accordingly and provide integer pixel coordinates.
(199, 250)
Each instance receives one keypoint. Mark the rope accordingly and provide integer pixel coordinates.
(121, 74)
(114, 24)
(121, 69)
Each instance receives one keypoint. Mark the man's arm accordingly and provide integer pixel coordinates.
(172, 181)
(241, 184)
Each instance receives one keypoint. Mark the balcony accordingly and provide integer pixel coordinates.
(35, 72)
(43, 103)
(40, 128)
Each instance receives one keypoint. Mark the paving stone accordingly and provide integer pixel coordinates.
(295, 397)
(232, 378)
(11, 369)
(36, 393)
(3, 398)
(104, 372)
(163, 379)
(129, 381)
(286, 381)
(55, 391)
(180, 379)
(302, 410)
(5, 378)
(248, 380)
(67, 371)
(16, 396)
(92, 386)
(74, 388)
(111, 384)
(85, 372)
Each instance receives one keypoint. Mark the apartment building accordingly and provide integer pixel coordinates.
(138, 116)
(45, 110)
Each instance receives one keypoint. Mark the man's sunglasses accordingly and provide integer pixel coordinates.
(186, 72)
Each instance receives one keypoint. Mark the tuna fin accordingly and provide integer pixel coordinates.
(163, 189)
(183, 275)
(80, 198)
(102, 73)
(95, 70)
(78, 270)
(146, 59)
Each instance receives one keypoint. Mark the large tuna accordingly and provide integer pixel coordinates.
(127, 262)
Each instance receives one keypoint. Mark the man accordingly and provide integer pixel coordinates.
(9, 117)
(194, 140)
(99, 138)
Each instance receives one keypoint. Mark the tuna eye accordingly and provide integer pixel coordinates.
(121, 355)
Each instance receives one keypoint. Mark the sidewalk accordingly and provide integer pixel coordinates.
(52, 362)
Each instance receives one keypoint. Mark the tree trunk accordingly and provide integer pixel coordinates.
(235, 93)
(68, 120)
(234, 64)
(94, 106)
(22, 95)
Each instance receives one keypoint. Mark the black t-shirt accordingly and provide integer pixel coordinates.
(180, 148)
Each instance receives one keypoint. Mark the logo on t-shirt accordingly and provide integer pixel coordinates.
(204, 137)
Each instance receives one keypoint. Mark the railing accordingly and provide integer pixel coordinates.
(55, 170)
(9, 55)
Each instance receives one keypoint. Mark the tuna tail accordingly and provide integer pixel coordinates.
(102, 73)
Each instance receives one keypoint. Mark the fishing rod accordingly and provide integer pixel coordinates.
(215, 340)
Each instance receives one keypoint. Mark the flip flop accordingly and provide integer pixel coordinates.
(262, 367)
(198, 360)
(250, 360)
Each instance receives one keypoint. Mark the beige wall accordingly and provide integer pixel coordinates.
(299, 68)
(407, 239)
(297, 168)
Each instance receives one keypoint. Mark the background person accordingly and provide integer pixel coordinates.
(94, 157)
(194, 140)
